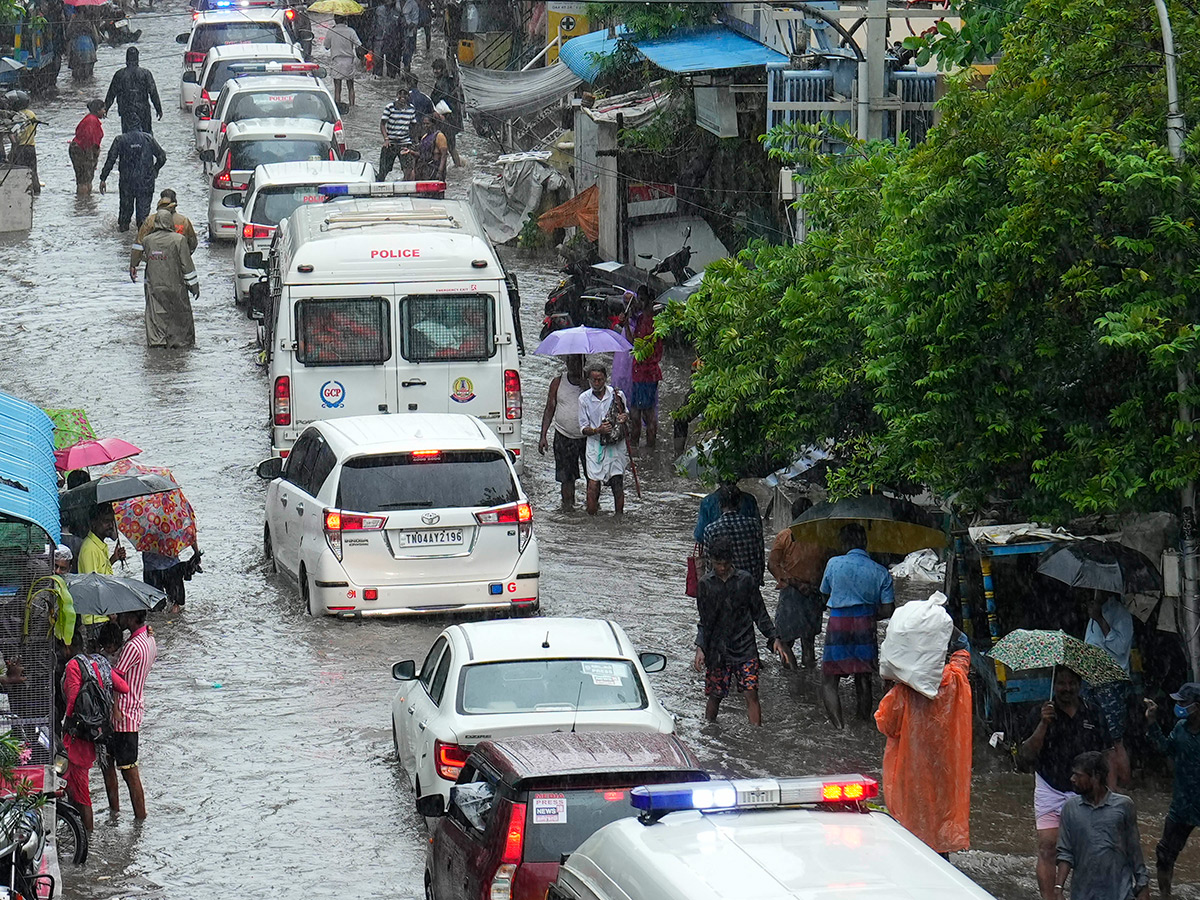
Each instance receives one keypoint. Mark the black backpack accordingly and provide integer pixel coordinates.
(91, 719)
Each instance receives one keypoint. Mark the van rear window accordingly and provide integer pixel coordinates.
(345, 332)
(453, 480)
(448, 327)
(219, 34)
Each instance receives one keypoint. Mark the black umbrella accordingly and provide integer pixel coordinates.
(106, 595)
(1101, 565)
(108, 488)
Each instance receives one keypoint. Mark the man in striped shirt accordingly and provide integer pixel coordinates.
(137, 656)
(396, 126)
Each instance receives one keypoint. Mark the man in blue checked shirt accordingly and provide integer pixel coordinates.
(744, 533)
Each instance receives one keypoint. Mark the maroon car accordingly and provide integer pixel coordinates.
(521, 803)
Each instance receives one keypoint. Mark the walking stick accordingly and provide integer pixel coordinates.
(633, 466)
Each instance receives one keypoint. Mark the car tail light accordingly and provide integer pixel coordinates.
(339, 135)
(224, 182)
(204, 95)
(449, 760)
(510, 858)
(519, 514)
(337, 521)
(224, 125)
(252, 232)
(281, 407)
(193, 58)
(512, 394)
(289, 14)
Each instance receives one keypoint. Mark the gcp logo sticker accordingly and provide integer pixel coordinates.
(333, 395)
(462, 390)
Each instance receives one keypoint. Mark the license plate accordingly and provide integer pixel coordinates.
(433, 538)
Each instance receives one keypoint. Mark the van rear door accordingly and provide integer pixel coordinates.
(343, 357)
(450, 359)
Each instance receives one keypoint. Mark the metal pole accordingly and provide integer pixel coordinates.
(1190, 600)
(876, 87)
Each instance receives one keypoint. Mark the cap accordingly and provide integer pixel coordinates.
(1189, 693)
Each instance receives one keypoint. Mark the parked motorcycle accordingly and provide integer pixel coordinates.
(22, 851)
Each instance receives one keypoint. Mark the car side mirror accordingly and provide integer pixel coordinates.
(208, 156)
(190, 77)
(352, 156)
(652, 662)
(405, 670)
(270, 469)
(232, 201)
(512, 456)
(181, 38)
(254, 259)
(431, 806)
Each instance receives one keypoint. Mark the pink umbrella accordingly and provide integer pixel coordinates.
(98, 452)
(85, 2)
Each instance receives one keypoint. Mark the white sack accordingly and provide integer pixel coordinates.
(914, 648)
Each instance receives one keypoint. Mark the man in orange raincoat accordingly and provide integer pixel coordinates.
(927, 760)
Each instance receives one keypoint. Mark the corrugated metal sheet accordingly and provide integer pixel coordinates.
(706, 50)
(28, 481)
(582, 54)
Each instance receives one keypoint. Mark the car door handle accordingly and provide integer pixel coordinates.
(299, 509)
(283, 501)
(416, 382)
(412, 709)
(421, 725)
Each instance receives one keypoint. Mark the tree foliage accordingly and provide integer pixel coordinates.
(652, 20)
(1034, 287)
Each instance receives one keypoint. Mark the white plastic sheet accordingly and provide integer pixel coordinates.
(921, 566)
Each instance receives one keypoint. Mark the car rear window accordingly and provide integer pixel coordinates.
(547, 685)
(221, 72)
(558, 821)
(454, 479)
(246, 155)
(220, 34)
(274, 204)
(343, 332)
(447, 327)
(281, 103)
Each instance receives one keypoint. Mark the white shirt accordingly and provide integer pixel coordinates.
(1119, 640)
(593, 409)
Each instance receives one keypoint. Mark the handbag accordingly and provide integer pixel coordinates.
(617, 435)
(695, 569)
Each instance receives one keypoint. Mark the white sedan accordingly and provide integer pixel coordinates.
(491, 680)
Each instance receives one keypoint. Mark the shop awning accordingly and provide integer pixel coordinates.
(582, 54)
(28, 480)
(707, 49)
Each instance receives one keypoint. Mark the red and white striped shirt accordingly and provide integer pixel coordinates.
(137, 656)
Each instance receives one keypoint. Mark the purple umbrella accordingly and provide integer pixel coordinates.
(581, 339)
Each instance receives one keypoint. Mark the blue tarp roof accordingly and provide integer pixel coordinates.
(581, 54)
(28, 481)
(707, 49)
(684, 50)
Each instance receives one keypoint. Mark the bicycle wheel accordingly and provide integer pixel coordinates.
(71, 838)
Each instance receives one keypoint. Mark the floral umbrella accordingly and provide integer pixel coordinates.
(1040, 649)
(70, 427)
(156, 523)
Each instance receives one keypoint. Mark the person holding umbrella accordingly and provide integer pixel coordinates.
(93, 554)
(137, 657)
(562, 411)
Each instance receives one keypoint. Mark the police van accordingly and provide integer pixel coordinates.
(759, 839)
(380, 301)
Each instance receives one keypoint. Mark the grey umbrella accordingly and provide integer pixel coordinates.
(1101, 565)
(108, 488)
(106, 595)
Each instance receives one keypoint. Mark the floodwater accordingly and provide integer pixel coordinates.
(267, 754)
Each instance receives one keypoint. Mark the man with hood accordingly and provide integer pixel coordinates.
(134, 90)
(139, 158)
(167, 200)
(170, 277)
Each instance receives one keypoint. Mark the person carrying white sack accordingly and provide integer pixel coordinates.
(926, 718)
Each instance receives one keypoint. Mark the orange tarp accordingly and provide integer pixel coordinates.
(927, 760)
(582, 210)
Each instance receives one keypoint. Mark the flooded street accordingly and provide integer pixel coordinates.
(267, 751)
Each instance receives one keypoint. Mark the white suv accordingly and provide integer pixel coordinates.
(387, 515)
(229, 27)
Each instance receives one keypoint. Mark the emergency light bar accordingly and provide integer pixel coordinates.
(382, 189)
(273, 68)
(752, 793)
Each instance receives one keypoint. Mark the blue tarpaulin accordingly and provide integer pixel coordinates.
(685, 50)
(28, 480)
(707, 49)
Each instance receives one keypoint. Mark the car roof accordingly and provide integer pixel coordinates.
(412, 431)
(253, 51)
(566, 637)
(252, 14)
(295, 80)
(770, 854)
(247, 129)
(325, 171)
(591, 752)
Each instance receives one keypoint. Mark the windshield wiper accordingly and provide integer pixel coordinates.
(406, 504)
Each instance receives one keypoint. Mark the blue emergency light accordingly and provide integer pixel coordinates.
(752, 793)
(382, 189)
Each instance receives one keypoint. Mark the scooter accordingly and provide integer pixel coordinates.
(676, 263)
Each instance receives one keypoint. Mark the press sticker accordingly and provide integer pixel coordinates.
(606, 680)
(592, 668)
(549, 809)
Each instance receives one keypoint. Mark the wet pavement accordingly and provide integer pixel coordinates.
(267, 754)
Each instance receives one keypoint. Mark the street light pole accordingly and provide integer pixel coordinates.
(1183, 375)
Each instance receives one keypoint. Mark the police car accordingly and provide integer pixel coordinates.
(224, 27)
(766, 839)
